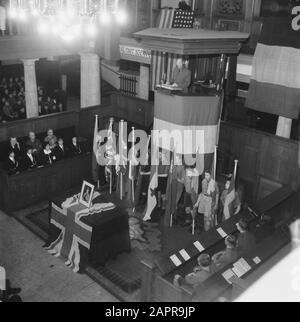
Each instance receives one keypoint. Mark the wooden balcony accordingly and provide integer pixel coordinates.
(38, 46)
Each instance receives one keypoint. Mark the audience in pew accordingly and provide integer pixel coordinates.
(229, 255)
(51, 139)
(14, 146)
(75, 148)
(13, 104)
(49, 104)
(48, 156)
(29, 161)
(33, 154)
(34, 143)
(60, 151)
(246, 240)
(201, 273)
(12, 165)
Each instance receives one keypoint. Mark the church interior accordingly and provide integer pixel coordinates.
(149, 151)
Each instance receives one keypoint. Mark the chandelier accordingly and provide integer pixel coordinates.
(68, 19)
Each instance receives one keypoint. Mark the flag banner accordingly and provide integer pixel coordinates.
(275, 83)
(190, 127)
(191, 122)
(80, 235)
(152, 198)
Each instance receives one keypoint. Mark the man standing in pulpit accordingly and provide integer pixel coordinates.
(182, 76)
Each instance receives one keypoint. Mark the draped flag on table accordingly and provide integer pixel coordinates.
(164, 64)
(74, 232)
(275, 81)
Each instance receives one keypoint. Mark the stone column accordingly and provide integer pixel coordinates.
(31, 95)
(90, 80)
(144, 85)
(64, 82)
(284, 127)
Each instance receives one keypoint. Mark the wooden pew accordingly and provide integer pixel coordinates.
(158, 276)
(160, 289)
(33, 186)
(217, 286)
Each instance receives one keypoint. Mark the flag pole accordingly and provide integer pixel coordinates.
(215, 163)
(111, 175)
(132, 181)
(236, 162)
(94, 147)
(171, 183)
(121, 159)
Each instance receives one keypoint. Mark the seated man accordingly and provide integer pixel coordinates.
(182, 76)
(9, 113)
(246, 240)
(29, 161)
(60, 150)
(34, 143)
(12, 165)
(15, 147)
(200, 274)
(228, 256)
(51, 139)
(48, 156)
(75, 148)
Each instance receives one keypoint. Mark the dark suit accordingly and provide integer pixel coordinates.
(60, 153)
(182, 78)
(12, 167)
(75, 150)
(230, 255)
(16, 151)
(35, 145)
(47, 159)
(246, 242)
(28, 163)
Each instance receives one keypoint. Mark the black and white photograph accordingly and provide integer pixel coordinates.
(86, 194)
(150, 154)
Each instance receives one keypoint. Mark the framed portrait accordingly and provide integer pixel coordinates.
(86, 195)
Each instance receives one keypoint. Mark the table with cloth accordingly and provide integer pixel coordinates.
(87, 236)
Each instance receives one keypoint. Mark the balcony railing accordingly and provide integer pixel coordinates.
(128, 85)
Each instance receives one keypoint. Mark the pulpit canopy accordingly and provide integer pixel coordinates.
(191, 41)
